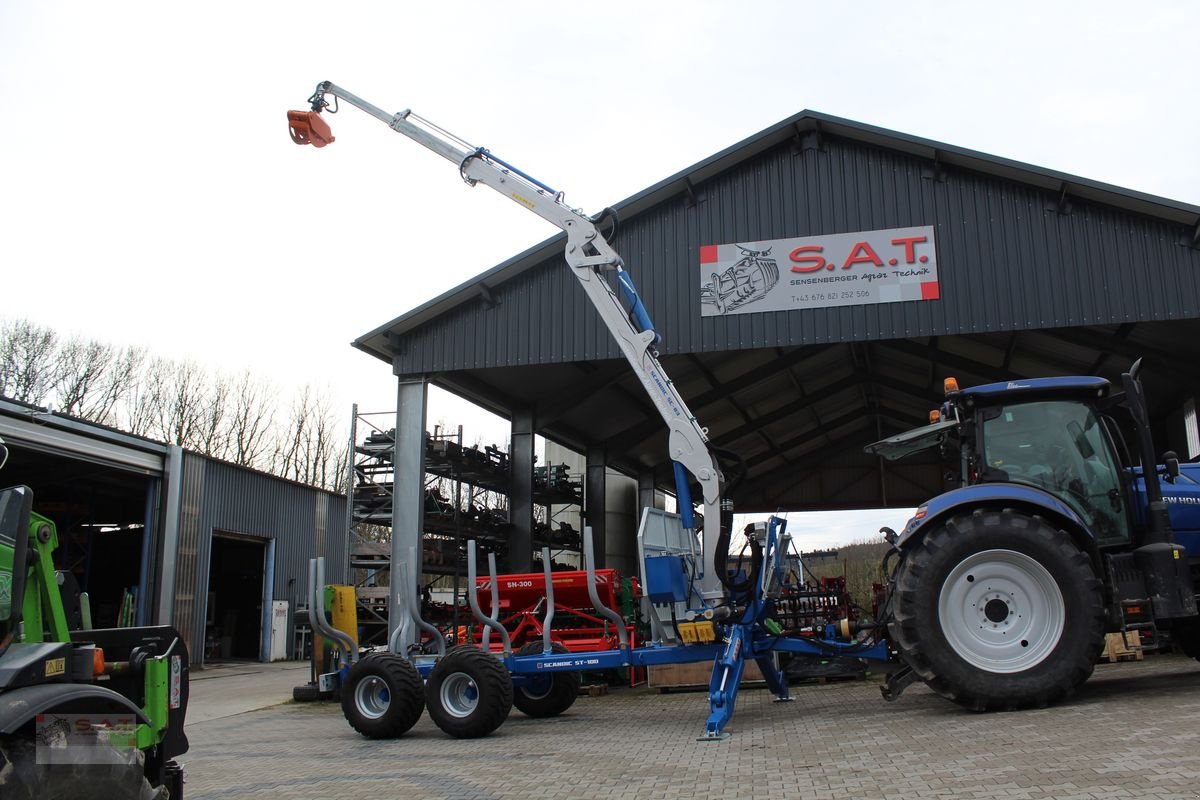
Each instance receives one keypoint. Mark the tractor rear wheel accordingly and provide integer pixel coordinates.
(998, 610)
(382, 696)
(1186, 634)
(469, 693)
(548, 694)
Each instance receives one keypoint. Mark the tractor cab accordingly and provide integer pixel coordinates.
(1056, 435)
(1050, 433)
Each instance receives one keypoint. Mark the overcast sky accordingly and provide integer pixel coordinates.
(152, 196)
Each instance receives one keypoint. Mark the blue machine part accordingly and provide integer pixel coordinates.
(636, 310)
(683, 494)
(1182, 497)
(666, 579)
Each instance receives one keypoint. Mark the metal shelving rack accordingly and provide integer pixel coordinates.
(466, 497)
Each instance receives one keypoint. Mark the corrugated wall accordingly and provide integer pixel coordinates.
(1007, 260)
(220, 497)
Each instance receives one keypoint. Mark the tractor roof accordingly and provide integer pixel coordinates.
(1075, 385)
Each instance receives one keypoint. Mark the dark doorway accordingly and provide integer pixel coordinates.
(100, 512)
(235, 596)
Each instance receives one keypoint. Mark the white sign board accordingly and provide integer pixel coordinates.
(841, 269)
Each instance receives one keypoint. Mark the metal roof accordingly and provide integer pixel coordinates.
(1042, 274)
(810, 126)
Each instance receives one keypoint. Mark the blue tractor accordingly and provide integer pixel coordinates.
(1006, 585)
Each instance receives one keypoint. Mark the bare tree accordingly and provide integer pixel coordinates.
(27, 361)
(79, 367)
(173, 399)
(179, 402)
(212, 436)
(90, 377)
(139, 404)
(251, 421)
(313, 450)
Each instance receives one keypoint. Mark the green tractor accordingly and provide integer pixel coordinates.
(96, 713)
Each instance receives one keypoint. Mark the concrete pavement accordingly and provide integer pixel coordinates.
(1131, 732)
(225, 690)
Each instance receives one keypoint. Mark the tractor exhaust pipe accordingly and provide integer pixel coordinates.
(1163, 563)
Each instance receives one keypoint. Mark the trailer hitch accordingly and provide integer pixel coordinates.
(897, 682)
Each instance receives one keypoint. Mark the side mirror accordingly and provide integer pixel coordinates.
(1171, 463)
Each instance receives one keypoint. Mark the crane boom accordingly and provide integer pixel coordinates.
(590, 257)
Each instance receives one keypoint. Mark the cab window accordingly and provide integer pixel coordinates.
(1059, 446)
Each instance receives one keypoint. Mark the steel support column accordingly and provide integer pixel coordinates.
(408, 494)
(595, 512)
(646, 493)
(520, 542)
(173, 488)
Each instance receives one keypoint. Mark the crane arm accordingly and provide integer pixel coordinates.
(590, 257)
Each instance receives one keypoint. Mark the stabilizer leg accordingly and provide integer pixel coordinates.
(723, 686)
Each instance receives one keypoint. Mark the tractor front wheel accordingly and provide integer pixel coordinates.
(93, 768)
(469, 693)
(998, 610)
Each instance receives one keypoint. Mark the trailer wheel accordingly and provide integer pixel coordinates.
(306, 693)
(998, 610)
(382, 696)
(469, 693)
(548, 694)
(112, 773)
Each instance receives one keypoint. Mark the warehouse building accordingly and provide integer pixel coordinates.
(159, 535)
(814, 285)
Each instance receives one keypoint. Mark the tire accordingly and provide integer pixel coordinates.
(382, 697)
(1186, 636)
(119, 777)
(548, 694)
(469, 693)
(307, 693)
(998, 610)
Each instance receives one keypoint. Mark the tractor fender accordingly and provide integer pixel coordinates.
(19, 706)
(1006, 495)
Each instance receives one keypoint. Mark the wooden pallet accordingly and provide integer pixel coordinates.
(695, 676)
(1116, 648)
(593, 690)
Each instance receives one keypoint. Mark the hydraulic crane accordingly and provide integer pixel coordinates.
(590, 257)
